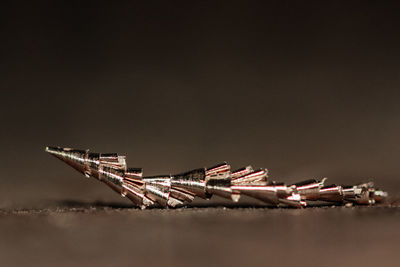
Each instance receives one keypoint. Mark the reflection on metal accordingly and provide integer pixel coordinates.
(175, 190)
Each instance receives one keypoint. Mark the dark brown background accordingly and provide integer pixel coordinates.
(305, 89)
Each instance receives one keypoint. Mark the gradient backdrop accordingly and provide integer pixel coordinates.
(305, 89)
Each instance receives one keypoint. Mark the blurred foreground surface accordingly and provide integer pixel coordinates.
(105, 235)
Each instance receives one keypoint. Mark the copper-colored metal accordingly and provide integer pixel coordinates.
(175, 190)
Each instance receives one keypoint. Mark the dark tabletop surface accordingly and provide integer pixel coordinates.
(101, 234)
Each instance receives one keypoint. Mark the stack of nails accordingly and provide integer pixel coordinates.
(176, 190)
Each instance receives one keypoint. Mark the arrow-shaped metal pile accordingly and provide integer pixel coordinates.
(173, 190)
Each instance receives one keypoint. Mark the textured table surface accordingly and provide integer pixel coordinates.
(101, 234)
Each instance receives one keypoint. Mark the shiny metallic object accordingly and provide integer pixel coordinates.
(175, 190)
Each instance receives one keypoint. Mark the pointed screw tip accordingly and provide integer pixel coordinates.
(51, 150)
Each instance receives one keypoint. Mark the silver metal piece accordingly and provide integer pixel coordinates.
(175, 190)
